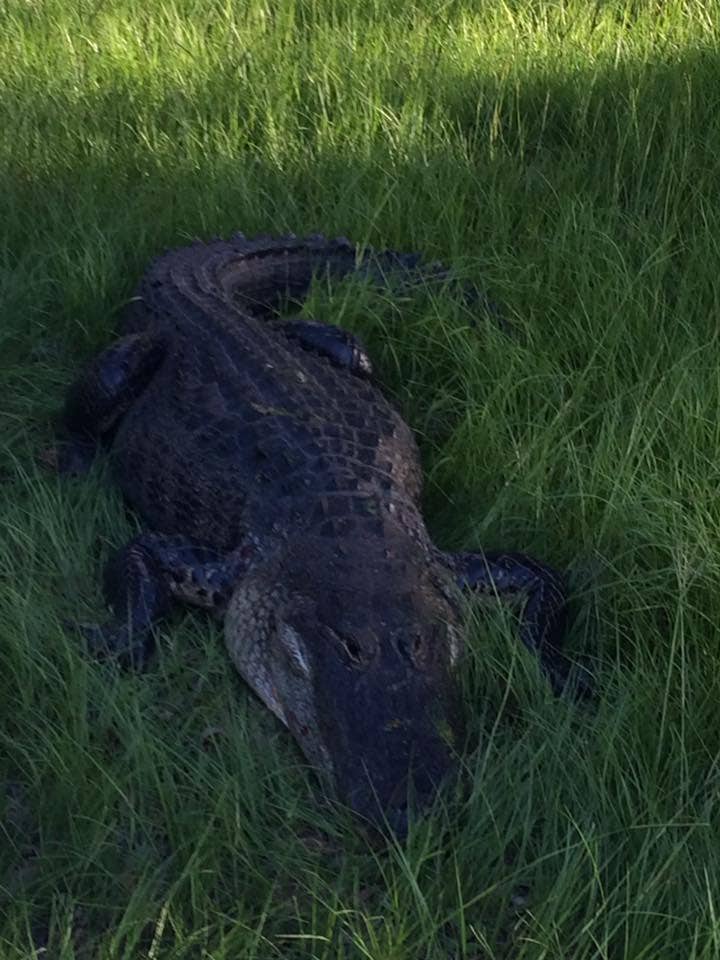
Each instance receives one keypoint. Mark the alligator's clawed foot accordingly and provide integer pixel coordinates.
(112, 642)
(516, 578)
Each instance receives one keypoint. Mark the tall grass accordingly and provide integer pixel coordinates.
(566, 156)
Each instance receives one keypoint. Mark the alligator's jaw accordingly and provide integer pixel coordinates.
(249, 627)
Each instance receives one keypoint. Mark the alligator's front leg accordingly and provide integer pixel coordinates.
(517, 578)
(95, 403)
(143, 580)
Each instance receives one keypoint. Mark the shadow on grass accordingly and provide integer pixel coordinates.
(579, 201)
(491, 167)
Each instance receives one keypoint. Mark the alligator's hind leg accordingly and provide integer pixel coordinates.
(96, 401)
(338, 345)
(517, 578)
(145, 577)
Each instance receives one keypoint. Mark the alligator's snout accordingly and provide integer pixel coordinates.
(407, 804)
(393, 749)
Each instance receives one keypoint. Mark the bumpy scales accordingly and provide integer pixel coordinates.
(280, 489)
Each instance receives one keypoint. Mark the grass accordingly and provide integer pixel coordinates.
(567, 156)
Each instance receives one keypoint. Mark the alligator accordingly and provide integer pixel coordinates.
(279, 489)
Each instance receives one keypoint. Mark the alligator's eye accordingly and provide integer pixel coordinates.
(353, 649)
(356, 652)
(421, 647)
(411, 647)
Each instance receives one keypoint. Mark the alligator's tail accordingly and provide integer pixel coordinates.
(260, 274)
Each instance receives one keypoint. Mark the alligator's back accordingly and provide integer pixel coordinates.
(241, 427)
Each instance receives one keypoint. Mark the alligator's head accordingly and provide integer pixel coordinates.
(353, 645)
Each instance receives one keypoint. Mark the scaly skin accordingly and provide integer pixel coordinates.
(280, 489)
